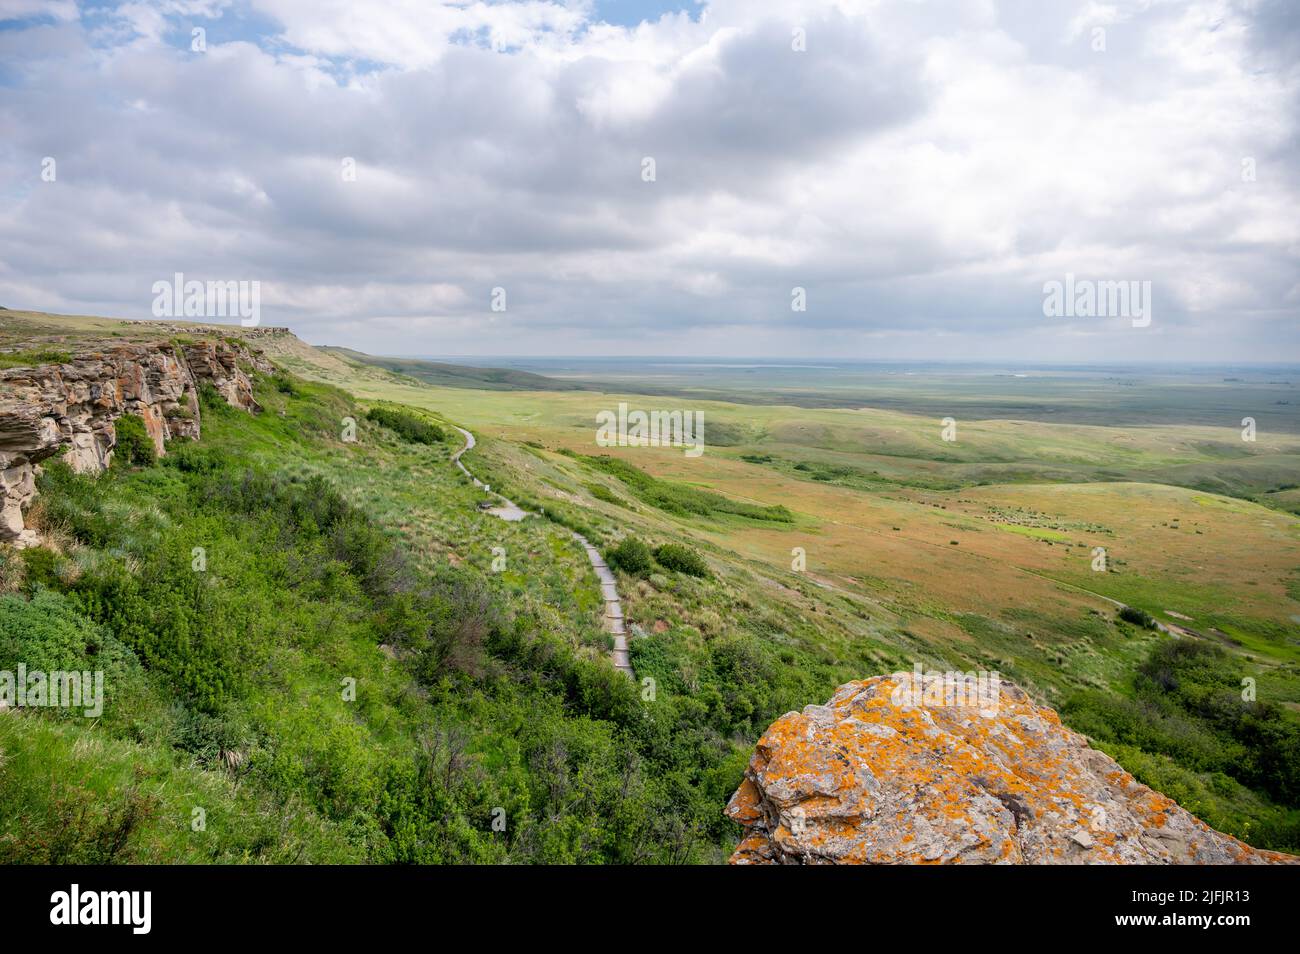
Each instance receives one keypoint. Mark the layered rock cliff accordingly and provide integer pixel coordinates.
(879, 775)
(71, 408)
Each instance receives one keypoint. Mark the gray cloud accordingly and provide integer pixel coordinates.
(921, 170)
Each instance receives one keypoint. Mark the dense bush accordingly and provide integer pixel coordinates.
(1200, 682)
(408, 426)
(1138, 617)
(211, 401)
(683, 559)
(196, 458)
(134, 446)
(46, 632)
(601, 492)
(1187, 720)
(631, 556)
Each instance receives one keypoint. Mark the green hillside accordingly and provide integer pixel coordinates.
(349, 678)
(480, 697)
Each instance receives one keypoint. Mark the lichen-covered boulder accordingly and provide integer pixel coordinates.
(888, 773)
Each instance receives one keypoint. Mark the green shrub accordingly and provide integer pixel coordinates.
(631, 556)
(211, 401)
(1132, 614)
(196, 459)
(683, 559)
(33, 358)
(455, 620)
(1189, 729)
(134, 446)
(179, 626)
(413, 429)
(47, 633)
(601, 492)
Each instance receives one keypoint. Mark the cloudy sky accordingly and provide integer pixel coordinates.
(919, 167)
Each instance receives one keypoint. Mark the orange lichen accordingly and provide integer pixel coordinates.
(864, 779)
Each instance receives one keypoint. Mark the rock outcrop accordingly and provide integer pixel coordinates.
(71, 408)
(873, 777)
(219, 363)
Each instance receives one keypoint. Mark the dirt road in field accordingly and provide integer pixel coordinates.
(613, 616)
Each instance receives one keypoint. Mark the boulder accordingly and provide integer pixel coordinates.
(884, 774)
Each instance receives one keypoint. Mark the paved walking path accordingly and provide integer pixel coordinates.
(613, 617)
(613, 608)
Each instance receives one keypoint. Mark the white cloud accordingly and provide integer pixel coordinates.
(922, 169)
(416, 33)
(62, 10)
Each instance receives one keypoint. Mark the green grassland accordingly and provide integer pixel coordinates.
(479, 696)
(928, 548)
(453, 375)
(974, 554)
(329, 561)
(1119, 395)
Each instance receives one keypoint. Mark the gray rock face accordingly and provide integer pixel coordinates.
(71, 407)
(885, 775)
(219, 363)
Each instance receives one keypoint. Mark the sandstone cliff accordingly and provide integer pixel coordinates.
(71, 408)
(870, 779)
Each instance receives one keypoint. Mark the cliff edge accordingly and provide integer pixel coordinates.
(70, 407)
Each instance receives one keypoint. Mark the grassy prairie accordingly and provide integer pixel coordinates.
(1004, 518)
(978, 553)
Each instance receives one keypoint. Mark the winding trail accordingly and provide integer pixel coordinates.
(613, 616)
